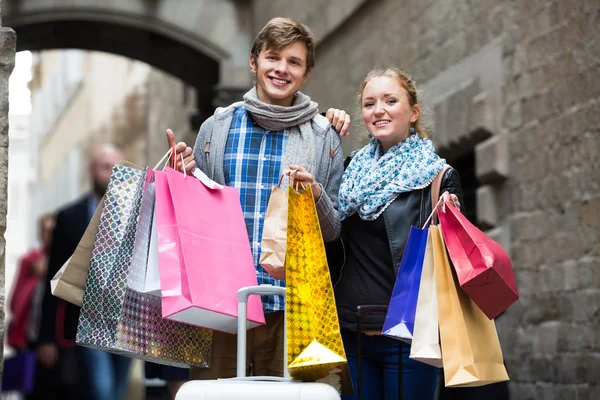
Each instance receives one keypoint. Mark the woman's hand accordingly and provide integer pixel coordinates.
(182, 149)
(450, 198)
(304, 177)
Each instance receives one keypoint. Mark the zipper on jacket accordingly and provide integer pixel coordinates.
(395, 268)
(343, 264)
(390, 244)
(328, 167)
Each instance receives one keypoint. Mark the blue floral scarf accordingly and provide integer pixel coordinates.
(373, 180)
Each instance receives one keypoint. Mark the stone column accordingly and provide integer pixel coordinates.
(235, 77)
(8, 45)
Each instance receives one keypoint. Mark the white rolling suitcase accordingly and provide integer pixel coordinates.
(259, 387)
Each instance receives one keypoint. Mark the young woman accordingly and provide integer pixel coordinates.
(385, 190)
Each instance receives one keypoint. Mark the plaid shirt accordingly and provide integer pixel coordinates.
(252, 164)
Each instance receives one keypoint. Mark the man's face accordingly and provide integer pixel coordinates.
(101, 169)
(47, 229)
(280, 73)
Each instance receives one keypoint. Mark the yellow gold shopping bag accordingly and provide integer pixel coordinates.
(315, 349)
(471, 352)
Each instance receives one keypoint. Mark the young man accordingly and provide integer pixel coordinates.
(248, 145)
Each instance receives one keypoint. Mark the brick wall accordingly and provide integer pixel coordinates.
(517, 82)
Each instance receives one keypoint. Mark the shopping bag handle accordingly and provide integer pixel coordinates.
(197, 173)
(292, 179)
(165, 159)
(435, 194)
(434, 211)
(293, 184)
(170, 156)
(287, 171)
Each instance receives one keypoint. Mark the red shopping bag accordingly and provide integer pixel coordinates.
(483, 268)
(204, 253)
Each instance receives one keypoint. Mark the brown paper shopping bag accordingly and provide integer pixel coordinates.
(426, 337)
(274, 235)
(69, 282)
(471, 352)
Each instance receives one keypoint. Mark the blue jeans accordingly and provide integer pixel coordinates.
(380, 370)
(107, 374)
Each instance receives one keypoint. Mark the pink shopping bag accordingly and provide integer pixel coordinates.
(483, 268)
(204, 253)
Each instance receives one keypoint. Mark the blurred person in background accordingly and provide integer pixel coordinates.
(27, 292)
(24, 325)
(104, 374)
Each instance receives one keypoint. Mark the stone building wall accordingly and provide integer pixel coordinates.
(322, 16)
(551, 97)
(169, 104)
(514, 84)
(8, 45)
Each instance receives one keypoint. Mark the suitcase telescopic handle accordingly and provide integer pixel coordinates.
(243, 294)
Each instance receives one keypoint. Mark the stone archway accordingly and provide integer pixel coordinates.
(204, 43)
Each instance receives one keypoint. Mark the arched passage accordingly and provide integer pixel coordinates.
(203, 42)
(194, 67)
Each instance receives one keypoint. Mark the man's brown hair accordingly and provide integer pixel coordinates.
(280, 33)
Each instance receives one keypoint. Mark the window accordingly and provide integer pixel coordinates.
(465, 165)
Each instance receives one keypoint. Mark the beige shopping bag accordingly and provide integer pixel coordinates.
(426, 337)
(274, 236)
(69, 281)
(471, 353)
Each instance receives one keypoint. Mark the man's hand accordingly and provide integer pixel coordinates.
(181, 149)
(47, 353)
(340, 120)
(304, 177)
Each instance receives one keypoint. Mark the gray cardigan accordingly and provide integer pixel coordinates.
(209, 153)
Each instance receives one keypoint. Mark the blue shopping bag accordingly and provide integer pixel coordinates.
(400, 318)
(19, 373)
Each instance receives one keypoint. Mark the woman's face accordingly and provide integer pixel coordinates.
(386, 111)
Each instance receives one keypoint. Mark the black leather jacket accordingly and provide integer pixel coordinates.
(412, 208)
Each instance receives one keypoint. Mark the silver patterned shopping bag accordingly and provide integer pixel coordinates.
(142, 248)
(114, 316)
